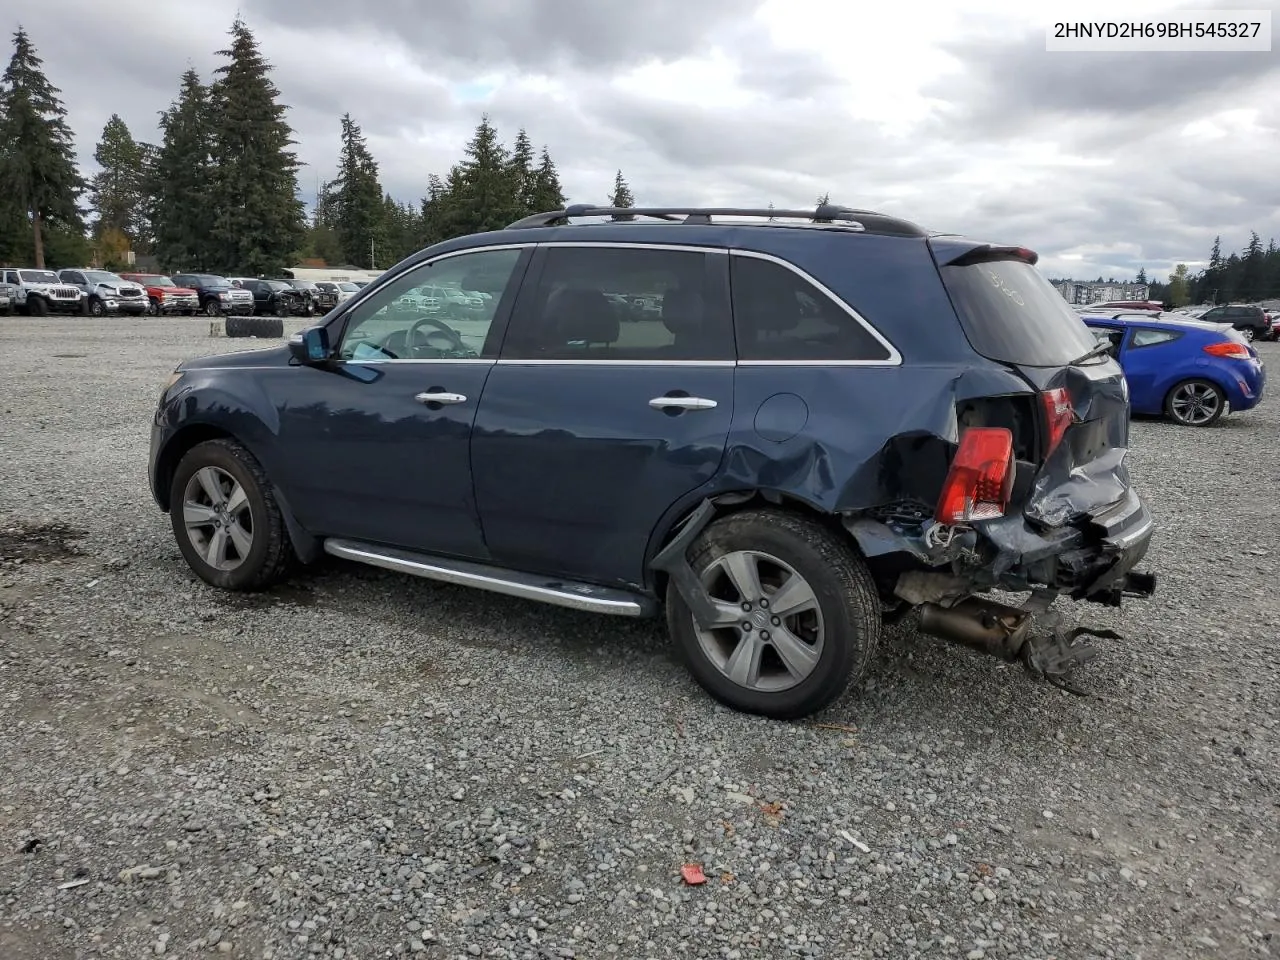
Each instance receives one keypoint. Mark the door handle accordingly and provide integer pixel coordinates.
(682, 403)
(440, 397)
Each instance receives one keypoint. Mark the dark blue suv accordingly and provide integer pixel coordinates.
(783, 428)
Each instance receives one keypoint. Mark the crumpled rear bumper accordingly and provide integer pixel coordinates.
(1093, 558)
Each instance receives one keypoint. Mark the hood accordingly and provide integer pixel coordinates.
(267, 357)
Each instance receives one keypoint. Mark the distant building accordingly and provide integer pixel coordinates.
(1086, 292)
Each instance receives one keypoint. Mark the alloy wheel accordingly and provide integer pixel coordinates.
(1195, 403)
(768, 635)
(215, 512)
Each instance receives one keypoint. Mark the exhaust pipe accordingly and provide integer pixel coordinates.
(984, 625)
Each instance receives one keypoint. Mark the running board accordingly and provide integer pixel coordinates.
(528, 586)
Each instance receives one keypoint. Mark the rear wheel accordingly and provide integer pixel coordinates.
(799, 616)
(1249, 334)
(226, 519)
(1195, 403)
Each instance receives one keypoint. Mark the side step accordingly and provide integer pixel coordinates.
(528, 586)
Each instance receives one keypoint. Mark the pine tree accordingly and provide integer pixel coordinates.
(38, 174)
(622, 195)
(523, 174)
(823, 200)
(1142, 275)
(432, 217)
(257, 225)
(356, 199)
(547, 192)
(1179, 295)
(400, 228)
(182, 210)
(480, 188)
(117, 188)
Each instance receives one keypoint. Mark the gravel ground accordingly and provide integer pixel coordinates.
(361, 764)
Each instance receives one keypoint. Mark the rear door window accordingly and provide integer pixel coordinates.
(1149, 337)
(1012, 314)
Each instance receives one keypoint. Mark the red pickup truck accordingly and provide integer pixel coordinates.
(165, 296)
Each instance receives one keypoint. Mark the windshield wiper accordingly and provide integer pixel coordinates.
(1098, 350)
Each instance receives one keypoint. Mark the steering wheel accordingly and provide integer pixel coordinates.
(453, 341)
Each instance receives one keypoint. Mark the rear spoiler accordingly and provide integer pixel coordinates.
(959, 252)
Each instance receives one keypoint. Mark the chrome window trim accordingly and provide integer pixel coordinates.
(893, 360)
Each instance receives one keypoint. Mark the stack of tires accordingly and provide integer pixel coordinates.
(251, 326)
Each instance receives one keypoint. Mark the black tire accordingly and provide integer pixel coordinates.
(846, 597)
(153, 309)
(211, 308)
(270, 555)
(37, 307)
(251, 326)
(96, 308)
(1177, 412)
(1250, 334)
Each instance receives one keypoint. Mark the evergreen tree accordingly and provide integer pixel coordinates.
(38, 174)
(547, 192)
(400, 230)
(356, 200)
(432, 219)
(823, 200)
(1253, 270)
(257, 215)
(622, 195)
(480, 188)
(320, 241)
(180, 176)
(1142, 275)
(523, 174)
(117, 188)
(1179, 295)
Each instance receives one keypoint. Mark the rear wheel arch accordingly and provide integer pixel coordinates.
(727, 503)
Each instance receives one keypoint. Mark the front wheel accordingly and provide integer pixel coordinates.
(799, 617)
(226, 520)
(1195, 403)
(211, 309)
(153, 309)
(97, 308)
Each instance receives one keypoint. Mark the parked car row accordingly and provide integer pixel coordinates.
(104, 293)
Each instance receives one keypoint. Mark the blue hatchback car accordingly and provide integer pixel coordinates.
(778, 428)
(1187, 370)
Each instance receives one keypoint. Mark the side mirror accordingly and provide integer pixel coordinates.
(311, 345)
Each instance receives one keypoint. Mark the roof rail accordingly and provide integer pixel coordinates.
(868, 220)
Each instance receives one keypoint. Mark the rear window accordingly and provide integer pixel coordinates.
(1012, 314)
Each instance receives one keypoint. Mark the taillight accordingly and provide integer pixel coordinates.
(1227, 348)
(1058, 415)
(980, 480)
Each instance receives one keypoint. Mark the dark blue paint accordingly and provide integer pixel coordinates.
(573, 467)
(1153, 371)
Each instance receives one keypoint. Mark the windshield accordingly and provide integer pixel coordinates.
(210, 281)
(38, 276)
(152, 280)
(101, 276)
(1012, 314)
(348, 287)
(276, 284)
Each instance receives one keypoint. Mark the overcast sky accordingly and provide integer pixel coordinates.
(952, 115)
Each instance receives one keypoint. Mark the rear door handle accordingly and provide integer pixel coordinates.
(440, 397)
(682, 403)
